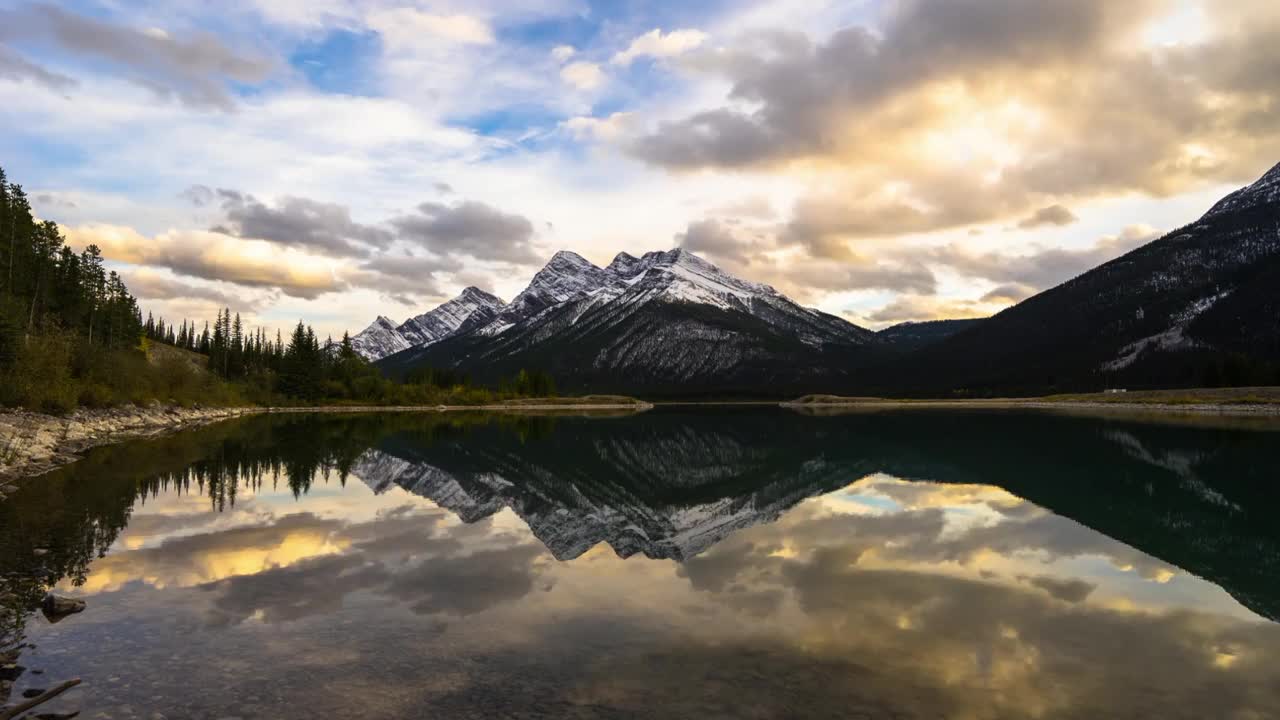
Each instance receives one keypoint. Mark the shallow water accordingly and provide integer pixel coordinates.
(685, 562)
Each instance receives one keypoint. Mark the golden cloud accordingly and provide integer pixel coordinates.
(214, 256)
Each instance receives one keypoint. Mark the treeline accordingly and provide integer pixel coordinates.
(72, 334)
(304, 370)
(69, 328)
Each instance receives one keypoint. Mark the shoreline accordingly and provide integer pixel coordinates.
(1203, 408)
(33, 443)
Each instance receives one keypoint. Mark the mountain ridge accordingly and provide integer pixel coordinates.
(1196, 307)
(662, 318)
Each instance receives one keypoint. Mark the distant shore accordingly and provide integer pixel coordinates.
(1221, 401)
(34, 443)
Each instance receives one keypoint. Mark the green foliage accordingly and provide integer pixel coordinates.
(41, 377)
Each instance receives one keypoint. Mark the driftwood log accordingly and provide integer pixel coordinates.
(12, 712)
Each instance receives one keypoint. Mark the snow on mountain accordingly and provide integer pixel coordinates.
(567, 276)
(384, 337)
(449, 317)
(380, 339)
(573, 285)
(665, 317)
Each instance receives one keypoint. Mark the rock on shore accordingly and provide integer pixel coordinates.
(34, 443)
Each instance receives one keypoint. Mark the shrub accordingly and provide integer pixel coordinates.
(40, 378)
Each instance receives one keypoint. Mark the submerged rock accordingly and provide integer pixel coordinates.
(56, 607)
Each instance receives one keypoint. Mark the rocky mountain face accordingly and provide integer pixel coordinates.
(663, 321)
(1200, 306)
(380, 339)
(384, 337)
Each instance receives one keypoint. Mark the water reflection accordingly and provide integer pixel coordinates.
(902, 564)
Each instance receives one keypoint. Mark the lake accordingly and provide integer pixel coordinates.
(700, 562)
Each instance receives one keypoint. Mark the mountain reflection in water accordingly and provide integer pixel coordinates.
(898, 564)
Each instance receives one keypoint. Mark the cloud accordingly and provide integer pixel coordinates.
(717, 239)
(213, 256)
(755, 207)
(656, 44)
(468, 584)
(745, 249)
(582, 75)
(14, 67)
(469, 228)
(314, 586)
(915, 308)
(962, 113)
(401, 27)
(405, 279)
(608, 128)
(562, 53)
(1067, 590)
(1009, 293)
(1041, 269)
(722, 138)
(1051, 215)
(150, 285)
(299, 222)
(198, 69)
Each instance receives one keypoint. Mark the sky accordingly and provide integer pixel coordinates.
(884, 160)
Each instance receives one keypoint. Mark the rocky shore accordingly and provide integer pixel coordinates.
(33, 443)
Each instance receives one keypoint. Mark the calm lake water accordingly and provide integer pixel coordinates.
(685, 562)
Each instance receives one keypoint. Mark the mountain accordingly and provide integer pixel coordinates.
(909, 336)
(1199, 306)
(380, 339)
(384, 337)
(663, 322)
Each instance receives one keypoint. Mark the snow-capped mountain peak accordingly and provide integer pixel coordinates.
(448, 318)
(566, 276)
(380, 339)
(384, 337)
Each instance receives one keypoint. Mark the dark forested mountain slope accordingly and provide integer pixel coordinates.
(909, 336)
(1200, 306)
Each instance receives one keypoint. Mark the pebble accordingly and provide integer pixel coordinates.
(32, 692)
(40, 552)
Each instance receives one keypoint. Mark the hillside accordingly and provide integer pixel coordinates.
(1198, 307)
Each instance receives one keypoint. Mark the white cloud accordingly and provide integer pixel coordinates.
(608, 128)
(583, 75)
(405, 27)
(658, 45)
(563, 52)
